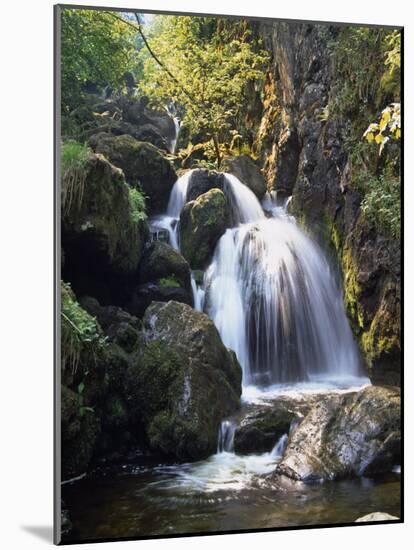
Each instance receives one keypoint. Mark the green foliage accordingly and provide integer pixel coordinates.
(137, 205)
(212, 60)
(73, 158)
(381, 204)
(169, 282)
(96, 49)
(367, 77)
(81, 334)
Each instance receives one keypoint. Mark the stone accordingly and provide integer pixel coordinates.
(202, 222)
(350, 435)
(183, 383)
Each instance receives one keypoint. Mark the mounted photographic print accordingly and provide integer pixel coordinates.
(228, 274)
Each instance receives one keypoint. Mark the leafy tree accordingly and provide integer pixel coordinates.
(96, 48)
(212, 61)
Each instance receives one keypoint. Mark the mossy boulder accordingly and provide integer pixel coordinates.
(349, 435)
(161, 263)
(144, 166)
(95, 360)
(202, 222)
(102, 240)
(183, 383)
(247, 171)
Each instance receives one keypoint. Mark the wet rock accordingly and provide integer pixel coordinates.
(202, 222)
(261, 428)
(348, 435)
(203, 180)
(245, 169)
(376, 516)
(143, 164)
(184, 382)
(161, 262)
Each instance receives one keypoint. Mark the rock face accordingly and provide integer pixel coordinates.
(244, 168)
(144, 166)
(184, 382)
(301, 144)
(101, 241)
(348, 435)
(202, 222)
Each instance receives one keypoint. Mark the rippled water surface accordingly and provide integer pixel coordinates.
(225, 492)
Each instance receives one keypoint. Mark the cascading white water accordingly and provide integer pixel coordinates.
(274, 300)
(225, 443)
(279, 448)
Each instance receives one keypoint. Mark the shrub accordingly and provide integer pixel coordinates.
(381, 204)
(137, 205)
(81, 333)
(73, 159)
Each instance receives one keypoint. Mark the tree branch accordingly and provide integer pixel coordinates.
(153, 55)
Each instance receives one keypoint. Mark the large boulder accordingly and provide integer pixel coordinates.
(162, 263)
(245, 169)
(102, 241)
(202, 222)
(144, 166)
(349, 435)
(183, 383)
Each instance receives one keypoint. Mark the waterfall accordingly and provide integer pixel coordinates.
(279, 448)
(225, 443)
(271, 293)
(178, 195)
(275, 301)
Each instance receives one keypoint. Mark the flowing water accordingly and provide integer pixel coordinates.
(275, 301)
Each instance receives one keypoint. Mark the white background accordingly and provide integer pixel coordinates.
(26, 284)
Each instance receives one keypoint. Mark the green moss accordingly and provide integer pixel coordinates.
(169, 282)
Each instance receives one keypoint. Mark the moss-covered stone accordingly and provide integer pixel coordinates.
(144, 166)
(202, 223)
(183, 383)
